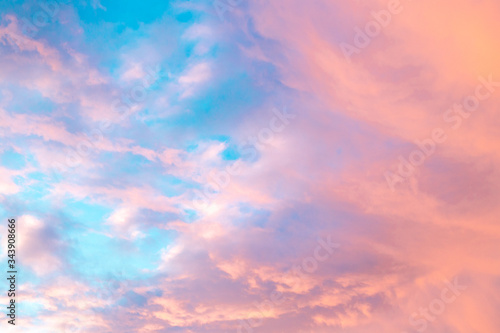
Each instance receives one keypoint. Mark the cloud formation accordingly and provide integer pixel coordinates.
(143, 154)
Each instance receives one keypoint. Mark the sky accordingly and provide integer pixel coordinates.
(251, 166)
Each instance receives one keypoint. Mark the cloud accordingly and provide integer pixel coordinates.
(168, 264)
